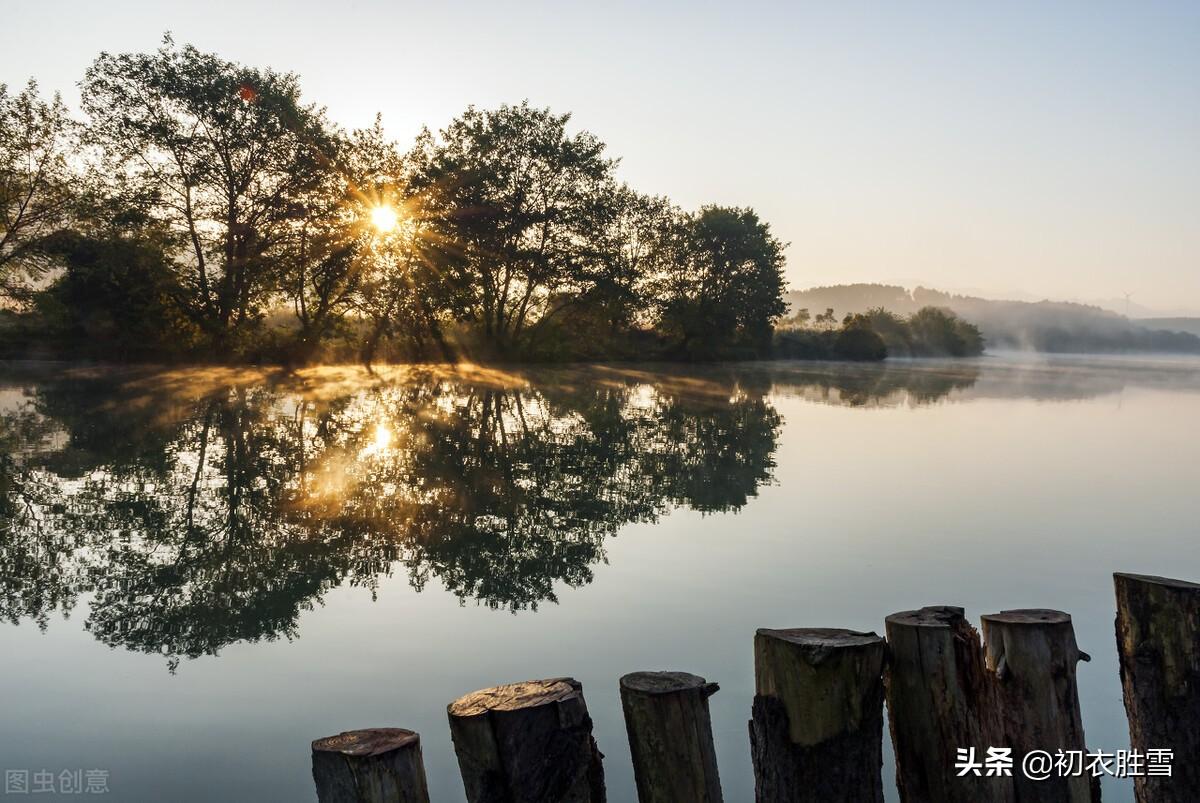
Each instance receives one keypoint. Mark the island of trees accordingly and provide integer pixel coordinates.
(202, 211)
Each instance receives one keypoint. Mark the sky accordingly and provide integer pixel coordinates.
(1031, 150)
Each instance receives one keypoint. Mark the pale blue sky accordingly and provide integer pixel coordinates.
(1049, 149)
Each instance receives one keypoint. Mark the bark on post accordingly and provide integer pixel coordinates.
(817, 727)
(670, 737)
(376, 765)
(1033, 655)
(939, 700)
(1158, 642)
(527, 742)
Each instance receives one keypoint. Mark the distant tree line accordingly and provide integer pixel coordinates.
(876, 334)
(1043, 326)
(203, 210)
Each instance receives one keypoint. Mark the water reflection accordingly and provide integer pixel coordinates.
(190, 510)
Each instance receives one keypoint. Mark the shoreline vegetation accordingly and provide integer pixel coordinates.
(202, 212)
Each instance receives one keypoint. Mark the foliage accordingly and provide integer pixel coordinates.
(939, 332)
(520, 201)
(858, 341)
(724, 292)
(877, 334)
(114, 298)
(222, 155)
(205, 211)
(36, 140)
(892, 328)
(1043, 326)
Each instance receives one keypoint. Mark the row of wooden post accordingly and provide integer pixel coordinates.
(817, 717)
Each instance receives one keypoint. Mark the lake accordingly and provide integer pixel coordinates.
(203, 570)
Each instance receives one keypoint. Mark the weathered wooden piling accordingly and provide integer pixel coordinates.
(670, 737)
(376, 765)
(1033, 655)
(816, 732)
(527, 742)
(1158, 643)
(939, 700)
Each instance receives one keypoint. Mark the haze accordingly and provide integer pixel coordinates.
(1028, 149)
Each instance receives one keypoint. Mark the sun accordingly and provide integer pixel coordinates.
(384, 218)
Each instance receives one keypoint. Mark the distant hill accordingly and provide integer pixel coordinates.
(1048, 326)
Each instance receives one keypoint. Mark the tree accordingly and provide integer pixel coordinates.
(114, 297)
(318, 257)
(222, 154)
(521, 200)
(725, 290)
(636, 240)
(938, 332)
(402, 272)
(858, 341)
(826, 320)
(801, 318)
(893, 329)
(37, 139)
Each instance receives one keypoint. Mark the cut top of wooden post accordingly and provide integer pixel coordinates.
(515, 696)
(1029, 616)
(1152, 579)
(937, 616)
(667, 683)
(1028, 640)
(366, 742)
(823, 677)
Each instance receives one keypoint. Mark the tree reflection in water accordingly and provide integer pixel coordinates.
(197, 509)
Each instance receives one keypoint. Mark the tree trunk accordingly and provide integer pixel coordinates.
(1033, 655)
(1158, 642)
(527, 742)
(938, 698)
(377, 765)
(670, 737)
(816, 732)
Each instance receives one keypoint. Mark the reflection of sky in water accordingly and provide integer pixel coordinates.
(653, 519)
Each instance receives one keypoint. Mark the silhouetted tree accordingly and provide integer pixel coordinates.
(522, 198)
(37, 139)
(939, 332)
(220, 152)
(724, 290)
(858, 341)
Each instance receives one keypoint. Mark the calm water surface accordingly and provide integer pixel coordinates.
(201, 571)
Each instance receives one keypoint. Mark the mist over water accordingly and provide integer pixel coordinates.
(204, 570)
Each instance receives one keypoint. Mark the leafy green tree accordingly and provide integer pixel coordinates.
(724, 290)
(858, 341)
(521, 200)
(37, 139)
(826, 320)
(115, 297)
(894, 330)
(801, 319)
(635, 244)
(939, 332)
(220, 153)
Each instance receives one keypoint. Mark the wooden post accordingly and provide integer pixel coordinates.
(1033, 655)
(816, 732)
(670, 737)
(1158, 642)
(527, 742)
(376, 765)
(939, 700)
